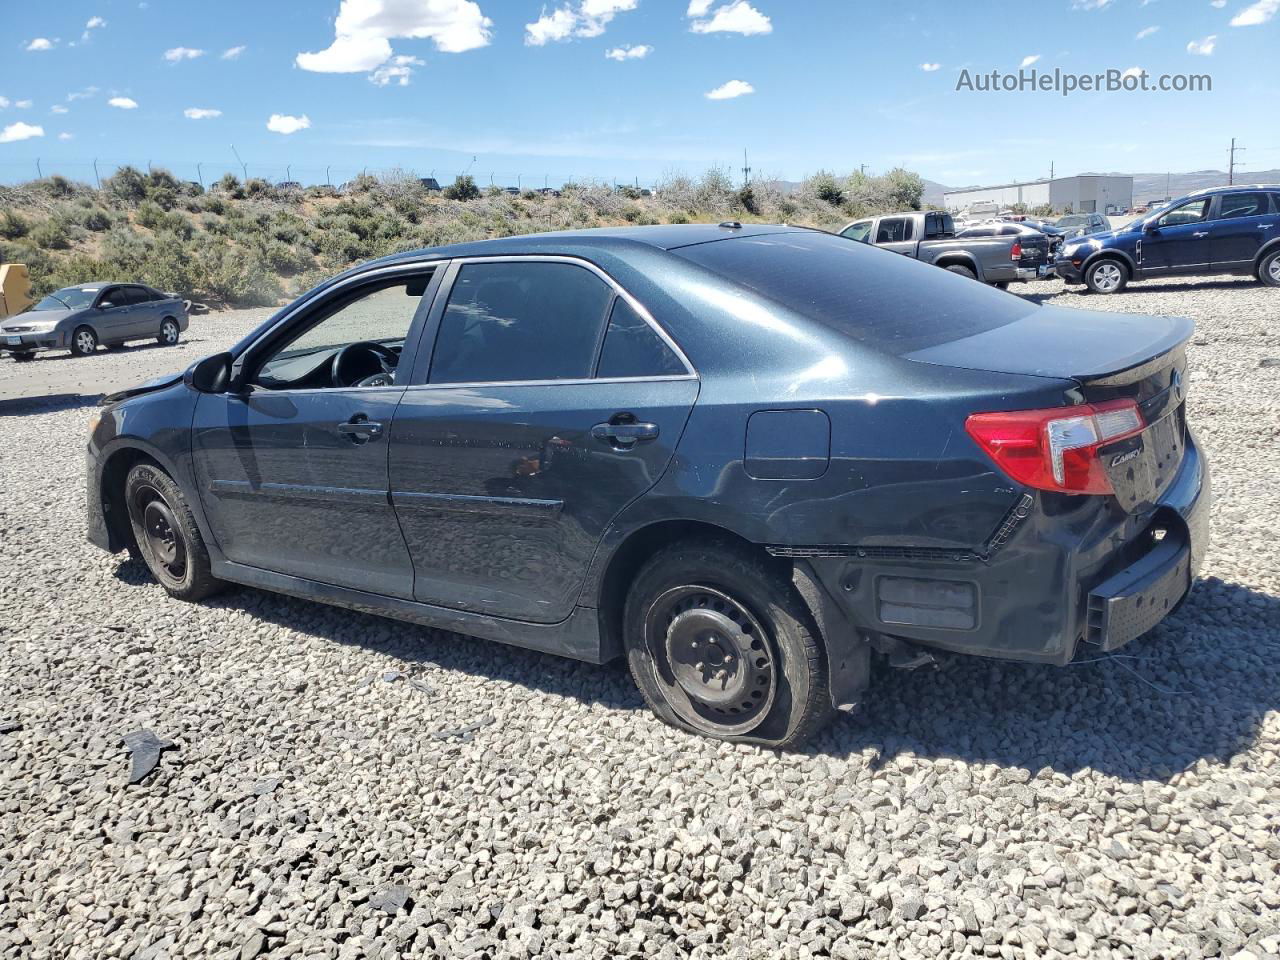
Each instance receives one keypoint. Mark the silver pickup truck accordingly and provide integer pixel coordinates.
(930, 235)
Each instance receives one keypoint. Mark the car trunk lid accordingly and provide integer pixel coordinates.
(1109, 357)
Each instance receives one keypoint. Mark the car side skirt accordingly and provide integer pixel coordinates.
(577, 636)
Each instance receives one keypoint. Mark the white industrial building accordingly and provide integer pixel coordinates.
(1086, 193)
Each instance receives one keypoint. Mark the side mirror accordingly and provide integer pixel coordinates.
(1151, 228)
(210, 375)
(105, 305)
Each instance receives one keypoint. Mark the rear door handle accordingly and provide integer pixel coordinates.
(1201, 233)
(360, 428)
(625, 434)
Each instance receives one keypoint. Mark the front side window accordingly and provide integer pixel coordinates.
(368, 326)
(1192, 212)
(860, 231)
(1243, 205)
(518, 321)
(632, 348)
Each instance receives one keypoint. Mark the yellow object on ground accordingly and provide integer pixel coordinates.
(15, 289)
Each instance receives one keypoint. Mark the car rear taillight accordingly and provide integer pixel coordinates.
(1056, 449)
(1015, 252)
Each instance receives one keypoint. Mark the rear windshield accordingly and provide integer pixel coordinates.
(883, 299)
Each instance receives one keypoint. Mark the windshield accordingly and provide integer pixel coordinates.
(883, 299)
(1076, 221)
(71, 298)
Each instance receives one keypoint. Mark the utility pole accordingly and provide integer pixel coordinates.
(328, 179)
(862, 169)
(244, 167)
(199, 175)
(96, 178)
(39, 172)
(1167, 176)
(1050, 169)
(1231, 162)
(746, 168)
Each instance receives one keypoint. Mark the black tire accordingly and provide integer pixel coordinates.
(1106, 276)
(1269, 269)
(169, 332)
(166, 534)
(732, 612)
(83, 341)
(24, 356)
(114, 346)
(1001, 284)
(962, 270)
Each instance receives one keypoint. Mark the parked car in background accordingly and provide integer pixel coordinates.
(930, 236)
(1081, 224)
(81, 319)
(1035, 249)
(1232, 230)
(743, 457)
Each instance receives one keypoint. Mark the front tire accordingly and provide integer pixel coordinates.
(83, 341)
(166, 534)
(169, 332)
(720, 644)
(1106, 276)
(961, 270)
(1269, 269)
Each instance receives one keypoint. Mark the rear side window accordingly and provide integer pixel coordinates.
(875, 297)
(893, 230)
(632, 348)
(520, 321)
(136, 295)
(1243, 205)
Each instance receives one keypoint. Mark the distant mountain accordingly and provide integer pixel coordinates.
(1158, 186)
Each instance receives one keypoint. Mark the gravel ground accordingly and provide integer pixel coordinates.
(344, 786)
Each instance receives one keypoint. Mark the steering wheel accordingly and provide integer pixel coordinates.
(364, 363)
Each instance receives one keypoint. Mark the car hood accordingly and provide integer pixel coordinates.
(37, 316)
(158, 383)
(1063, 343)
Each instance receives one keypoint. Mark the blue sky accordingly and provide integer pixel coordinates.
(626, 89)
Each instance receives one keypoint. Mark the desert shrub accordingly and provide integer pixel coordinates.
(229, 184)
(235, 276)
(56, 186)
(128, 185)
(13, 225)
(825, 187)
(463, 188)
(902, 189)
(51, 234)
(747, 200)
(96, 219)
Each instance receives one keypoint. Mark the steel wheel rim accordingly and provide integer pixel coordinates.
(169, 331)
(712, 658)
(164, 541)
(85, 341)
(1107, 276)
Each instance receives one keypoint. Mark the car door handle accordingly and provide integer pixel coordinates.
(360, 428)
(1201, 233)
(625, 434)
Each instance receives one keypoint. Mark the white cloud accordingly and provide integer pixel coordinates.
(201, 113)
(122, 103)
(22, 104)
(41, 43)
(930, 67)
(233, 53)
(84, 94)
(1094, 4)
(1203, 47)
(66, 136)
(1256, 13)
(364, 29)
(20, 131)
(589, 19)
(283, 123)
(178, 54)
(397, 70)
(698, 8)
(1146, 32)
(736, 17)
(1132, 72)
(727, 91)
(95, 23)
(57, 108)
(1217, 4)
(628, 52)
(1029, 59)
(4, 102)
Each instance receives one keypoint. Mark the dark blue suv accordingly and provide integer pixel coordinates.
(1220, 230)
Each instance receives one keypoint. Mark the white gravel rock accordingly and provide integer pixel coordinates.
(312, 807)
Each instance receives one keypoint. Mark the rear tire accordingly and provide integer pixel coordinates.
(962, 270)
(1001, 284)
(1106, 276)
(83, 341)
(169, 332)
(1269, 269)
(720, 644)
(166, 534)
